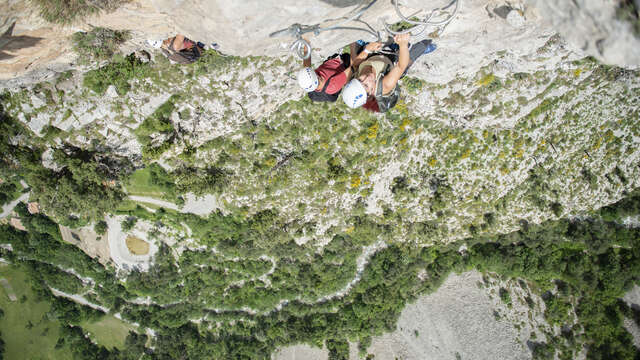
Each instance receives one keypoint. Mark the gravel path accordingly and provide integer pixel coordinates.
(79, 299)
(195, 205)
(300, 352)
(150, 200)
(361, 263)
(8, 208)
(200, 206)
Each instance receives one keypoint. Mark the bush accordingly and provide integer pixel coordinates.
(100, 227)
(157, 123)
(9, 190)
(338, 349)
(67, 11)
(99, 43)
(129, 223)
(211, 180)
(117, 73)
(505, 296)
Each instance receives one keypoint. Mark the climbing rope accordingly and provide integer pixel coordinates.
(428, 20)
(302, 48)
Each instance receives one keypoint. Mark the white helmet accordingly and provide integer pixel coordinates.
(307, 79)
(354, 94)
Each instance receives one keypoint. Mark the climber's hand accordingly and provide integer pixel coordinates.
(373, 47)
(402, 39)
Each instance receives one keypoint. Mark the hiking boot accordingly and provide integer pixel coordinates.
(418, 49)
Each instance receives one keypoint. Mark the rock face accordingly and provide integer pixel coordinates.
(479, 30)
(462, 320)
(507, 124)
(591, 25)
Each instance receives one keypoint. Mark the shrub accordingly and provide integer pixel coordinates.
(157, 123)
(100, 227)
(338, 349)
(557, 209)
(211, 180)
(99, 43)
(9, 190)
(129, 223)
(403, 25)
(117, 73)
(505, 296)
(68, 11)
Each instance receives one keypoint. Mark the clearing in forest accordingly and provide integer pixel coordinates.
(27, 331)
(109, 331)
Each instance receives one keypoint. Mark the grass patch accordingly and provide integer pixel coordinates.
(403, 25)
(152, 181)
(140, 184)
(69, 11)
(26, 329)
(109, 331)
(99, 43)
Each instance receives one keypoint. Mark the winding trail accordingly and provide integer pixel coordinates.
(200, 206)
(207, 204)
(361, 262)
(154, 201)
(79, 299)
(8, 208)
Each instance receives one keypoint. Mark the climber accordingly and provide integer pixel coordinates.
(326, 81)
(179, 48)
(375, 83)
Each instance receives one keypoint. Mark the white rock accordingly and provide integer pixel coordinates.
(111, 92)
(515, 18)
(37, 102)
(38, 122)
(591, 25)
(48, 162)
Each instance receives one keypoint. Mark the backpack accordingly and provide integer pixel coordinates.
(184, 56)
(322, 96)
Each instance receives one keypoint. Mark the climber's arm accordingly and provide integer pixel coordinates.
(391, 79)
(307, 50)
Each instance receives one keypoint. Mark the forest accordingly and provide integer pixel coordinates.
(594, 260)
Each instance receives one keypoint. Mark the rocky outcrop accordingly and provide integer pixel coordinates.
(594, 27)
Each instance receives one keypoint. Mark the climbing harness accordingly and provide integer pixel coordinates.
(440, 17)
